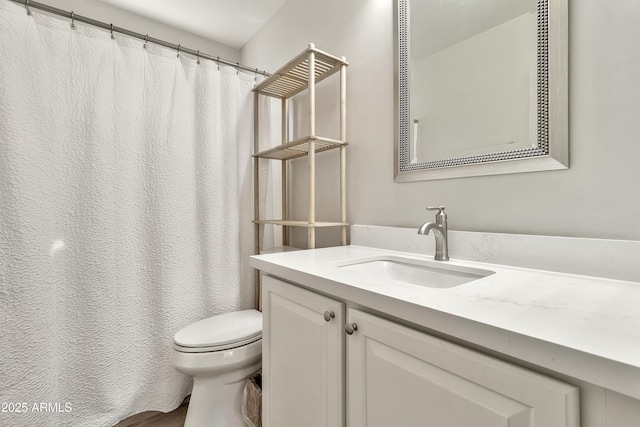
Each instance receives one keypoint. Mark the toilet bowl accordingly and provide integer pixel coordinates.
(219, 353)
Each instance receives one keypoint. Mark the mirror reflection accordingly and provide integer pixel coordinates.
(473, 77)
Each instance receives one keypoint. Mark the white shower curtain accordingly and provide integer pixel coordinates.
(125, 215)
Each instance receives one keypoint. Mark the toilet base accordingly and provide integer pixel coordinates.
(216, 401)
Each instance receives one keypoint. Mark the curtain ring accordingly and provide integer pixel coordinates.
(111, 29)
(237, 68)
(255, 76)
(178, 55)
(146, 40)
(218, 62)
(26, 6)
(73, 24)
(198, 56)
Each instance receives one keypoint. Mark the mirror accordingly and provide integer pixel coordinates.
(481, 87)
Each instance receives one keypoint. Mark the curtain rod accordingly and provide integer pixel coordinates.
(110, 27)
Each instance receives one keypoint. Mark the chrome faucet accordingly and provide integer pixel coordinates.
(439, 231)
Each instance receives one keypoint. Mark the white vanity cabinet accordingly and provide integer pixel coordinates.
(397, 376)
(386, 374)
(302, 357)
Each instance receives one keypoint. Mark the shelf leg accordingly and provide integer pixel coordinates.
(311, 232)
(256, 197)
(285, 139)
(285, 216)
(343, 153)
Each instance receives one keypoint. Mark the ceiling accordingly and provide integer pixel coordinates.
(231, 22)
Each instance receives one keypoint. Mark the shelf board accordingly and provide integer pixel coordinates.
(300, 148)
(293, 78)
(305, 224)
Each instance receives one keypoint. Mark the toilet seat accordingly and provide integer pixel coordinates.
(219, 333)
(211, 349)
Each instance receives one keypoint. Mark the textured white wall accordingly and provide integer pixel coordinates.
(598, 195)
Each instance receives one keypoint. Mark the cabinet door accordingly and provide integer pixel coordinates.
(397, 376)
(302, 357)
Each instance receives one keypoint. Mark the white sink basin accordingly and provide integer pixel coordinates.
(432, 274)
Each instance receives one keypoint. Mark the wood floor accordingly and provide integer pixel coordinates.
(158, 419)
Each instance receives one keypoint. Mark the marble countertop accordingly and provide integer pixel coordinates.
(584, 327)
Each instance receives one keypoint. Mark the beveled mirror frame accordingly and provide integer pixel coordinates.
(552, 150)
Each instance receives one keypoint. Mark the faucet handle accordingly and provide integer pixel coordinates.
(441, 217)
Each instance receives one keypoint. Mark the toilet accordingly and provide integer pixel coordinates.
(219, 353)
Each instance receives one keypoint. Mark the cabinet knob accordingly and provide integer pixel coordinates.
(328, 315)
(350, 328)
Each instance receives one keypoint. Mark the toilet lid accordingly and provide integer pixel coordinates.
(221, 330)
